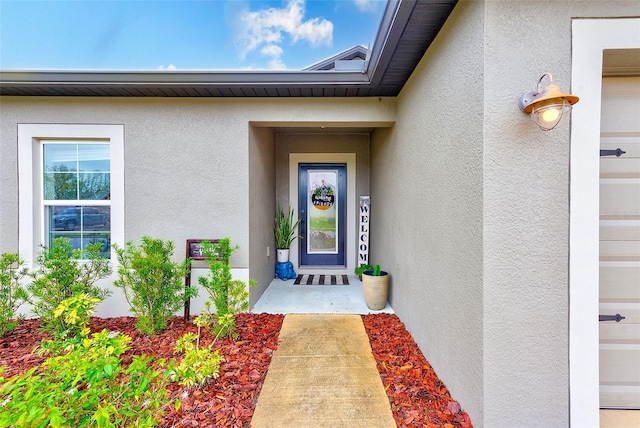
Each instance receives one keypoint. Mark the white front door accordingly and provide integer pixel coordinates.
(620, 244)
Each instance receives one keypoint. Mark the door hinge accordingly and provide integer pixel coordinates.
(616, 318)
(617, 152)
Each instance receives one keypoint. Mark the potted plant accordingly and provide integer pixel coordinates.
(284, 230)
(362, 268)
(375, 284)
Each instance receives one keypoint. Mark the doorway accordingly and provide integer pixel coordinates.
(348, 227)
(322, 200)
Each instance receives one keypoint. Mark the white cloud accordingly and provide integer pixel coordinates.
(169, 67)
(366, 5)
(270, 27)
(275, 53)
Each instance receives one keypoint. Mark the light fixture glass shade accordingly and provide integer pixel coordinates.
(547, 105)
(548, 114)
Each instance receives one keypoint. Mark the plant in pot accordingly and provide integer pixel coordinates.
(362, 268)
(375, 284)
(284, 230)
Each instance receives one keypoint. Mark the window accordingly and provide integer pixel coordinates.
(71, 184)
(77, 193)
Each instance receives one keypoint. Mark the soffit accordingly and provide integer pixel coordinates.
(408, 27)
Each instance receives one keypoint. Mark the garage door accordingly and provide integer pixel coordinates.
(620, 244)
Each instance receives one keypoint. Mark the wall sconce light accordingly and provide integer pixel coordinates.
(547, 106)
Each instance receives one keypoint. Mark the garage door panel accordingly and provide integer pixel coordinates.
(622, 250)
(626, 331)
(619, 396)
(619, 197)
(624, 166)
(620, 364)
(620, 282)
(610, 231)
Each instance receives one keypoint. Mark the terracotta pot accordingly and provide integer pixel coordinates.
(376, 289)
(282, 255)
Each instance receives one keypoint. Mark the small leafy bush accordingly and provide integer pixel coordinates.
(199, 365)
(61, 275)
(83, 382)
(75, 312)
(12, 293)
(229, 296)
(153, 284)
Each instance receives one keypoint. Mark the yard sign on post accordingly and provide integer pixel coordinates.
(194, 252)
(363, 234)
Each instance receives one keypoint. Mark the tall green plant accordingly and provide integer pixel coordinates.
(12, 293)
(153, 284)
(61, 275)
(284, 228)
(228, 295)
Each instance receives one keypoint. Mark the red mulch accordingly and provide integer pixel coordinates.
(418, 398)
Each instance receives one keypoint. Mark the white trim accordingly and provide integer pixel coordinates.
(590, 37)
(30, 230)
(350, 159)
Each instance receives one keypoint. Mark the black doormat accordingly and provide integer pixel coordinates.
(322, 280)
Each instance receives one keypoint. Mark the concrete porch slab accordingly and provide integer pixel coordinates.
(283, 297)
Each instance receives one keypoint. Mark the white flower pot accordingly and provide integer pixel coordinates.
(282, 255)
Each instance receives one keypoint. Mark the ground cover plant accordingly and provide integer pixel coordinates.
(417, 397)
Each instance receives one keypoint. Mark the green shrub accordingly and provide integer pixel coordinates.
(152, 283)
(61, 275)
(83, 383)
(199, 364)
(229, 296)
(75, 312)
(12, 293)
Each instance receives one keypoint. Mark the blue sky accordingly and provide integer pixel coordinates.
(180, 34)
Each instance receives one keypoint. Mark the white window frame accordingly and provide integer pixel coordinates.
(31, 226)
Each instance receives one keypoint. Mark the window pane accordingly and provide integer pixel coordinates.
(60, 157)
(82, 225)
(93, 158)
(61, 185)
(95, 186)
(322, 217)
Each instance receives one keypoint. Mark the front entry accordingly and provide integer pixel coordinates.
(322, 196)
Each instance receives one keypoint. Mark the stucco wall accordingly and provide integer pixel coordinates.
(487, 229)
(526, 228)
(262, 207)
(426, 206)
(187, 162)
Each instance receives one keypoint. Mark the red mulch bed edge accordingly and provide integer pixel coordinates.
(418, 398)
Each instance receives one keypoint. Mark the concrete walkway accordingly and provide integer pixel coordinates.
(323, 374)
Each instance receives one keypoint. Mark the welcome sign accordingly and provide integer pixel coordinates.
(363, 232)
